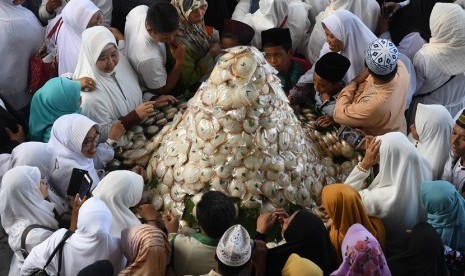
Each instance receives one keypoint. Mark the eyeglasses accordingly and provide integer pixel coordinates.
(91, 141)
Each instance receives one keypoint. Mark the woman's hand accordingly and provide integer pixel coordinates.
(140, 171)
(116, 33)
(87, 84)
(215, 49)
(281, 215)
(324, 121)
(145, 110)
(77, 203)
(52, 5)
(371, 155)
(265, 221)
(116, 131)
(171, 223)
(19, 136)
(164, 100)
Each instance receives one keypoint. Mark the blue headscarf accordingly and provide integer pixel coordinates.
(446, 212)
(58, 97)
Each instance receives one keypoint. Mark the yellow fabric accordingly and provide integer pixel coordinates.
(298, 266)
(344, 206)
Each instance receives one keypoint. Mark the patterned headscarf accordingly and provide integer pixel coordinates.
(362, 254)
(381, 57)
(194, 33)
(147, 250)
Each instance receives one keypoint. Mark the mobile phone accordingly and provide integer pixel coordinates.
(351, 136)
(80, 182)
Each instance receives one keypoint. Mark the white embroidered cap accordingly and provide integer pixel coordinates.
(381, 56)
(234, 247)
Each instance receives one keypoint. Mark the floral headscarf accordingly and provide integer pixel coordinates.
(362, 254)
(194, 33)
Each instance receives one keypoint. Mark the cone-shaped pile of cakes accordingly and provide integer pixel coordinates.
(238, 135)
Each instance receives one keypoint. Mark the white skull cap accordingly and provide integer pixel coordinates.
(234, 247)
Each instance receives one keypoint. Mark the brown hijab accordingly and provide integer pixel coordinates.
(147, 250)
(344, 206)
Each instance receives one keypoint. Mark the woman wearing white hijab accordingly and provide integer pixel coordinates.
(121, 190)
(22, 204)
(91, 242)
(367, 10)
(274, 14)
(74, 140)
(355, 37)
(394, 194)
(431, 131)
(77, 16)
(117, 94)
(441, 59)
(20, 36)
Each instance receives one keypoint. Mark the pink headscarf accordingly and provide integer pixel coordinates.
(362, 254)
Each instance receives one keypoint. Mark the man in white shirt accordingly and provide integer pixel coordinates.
(149, 33)
(454, 170)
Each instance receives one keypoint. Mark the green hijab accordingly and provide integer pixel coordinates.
(446, 212)
(58, 97)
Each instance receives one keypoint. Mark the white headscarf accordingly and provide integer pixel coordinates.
(66, 138)
(33, 154)
(271, 14)
(76, 16)
(107, 103)
(21, 35)
(121, 190)
(446, 46)
(367, 10)
(91, 242)
(394, 194)
(434, 126)
(20, 197)
(355, 36)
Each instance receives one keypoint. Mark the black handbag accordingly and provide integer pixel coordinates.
(59, 247)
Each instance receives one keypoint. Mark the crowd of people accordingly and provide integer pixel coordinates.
(393, 71)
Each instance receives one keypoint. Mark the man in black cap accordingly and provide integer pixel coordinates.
(236, 33)
(328, 81)
(454, 170)
(277, 45)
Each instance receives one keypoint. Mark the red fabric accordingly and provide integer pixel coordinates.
(305, 64)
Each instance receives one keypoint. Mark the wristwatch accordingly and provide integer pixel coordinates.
(111, 143)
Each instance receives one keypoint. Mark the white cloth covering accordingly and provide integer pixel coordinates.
(22, 204)
(355, 36)
(66, 138)
(147, 56)
(106, 6)
(108, 102)
(271, 14)
(33, 154)
(434, 126)
(120, 190)
(76, 16)
(91, 242)
(413, 80)
(394, 194)
(440, 59)
(445, 48)
(367, 10)
(21, 35)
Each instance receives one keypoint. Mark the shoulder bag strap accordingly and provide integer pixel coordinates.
(54, 29)
(426, 94)
(67, 235)
(24, 236)
(59, 246)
